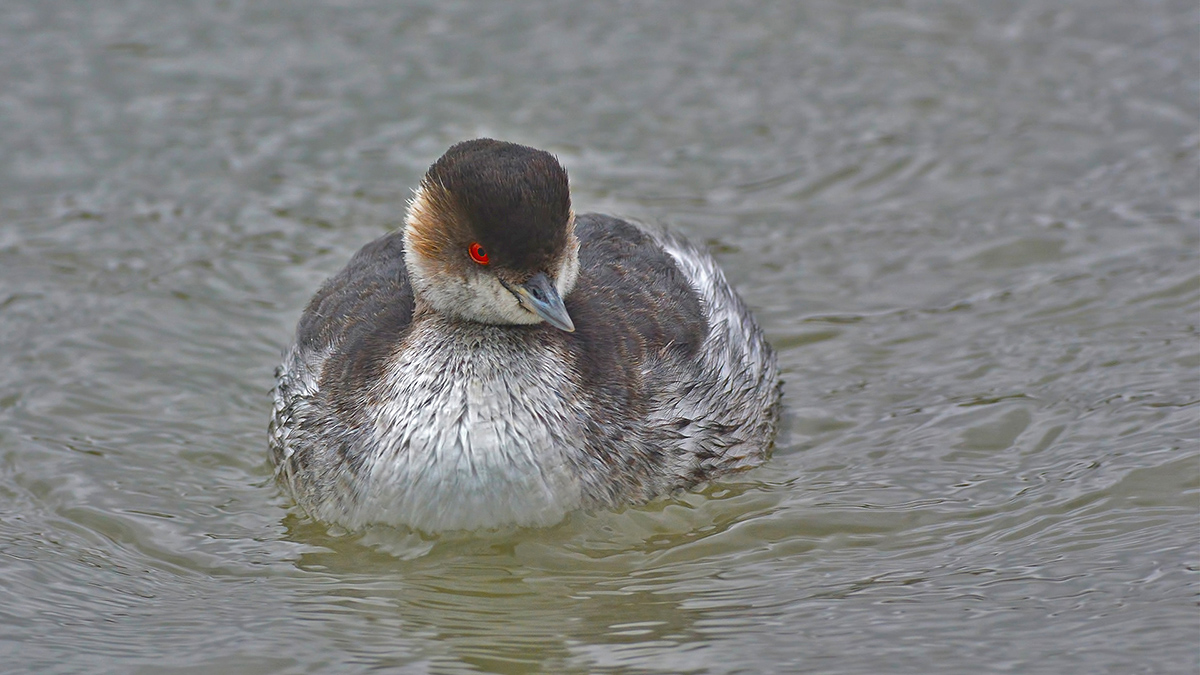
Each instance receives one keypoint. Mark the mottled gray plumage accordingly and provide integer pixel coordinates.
(401, 403)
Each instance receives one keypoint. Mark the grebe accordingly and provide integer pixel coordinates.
(501, 361)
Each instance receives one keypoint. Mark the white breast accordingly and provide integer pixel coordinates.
(471, 437)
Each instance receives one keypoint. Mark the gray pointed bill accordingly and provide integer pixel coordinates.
(539, 296)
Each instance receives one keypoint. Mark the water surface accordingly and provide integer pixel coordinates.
(970, 228)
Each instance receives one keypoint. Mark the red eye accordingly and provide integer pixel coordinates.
(478, 254)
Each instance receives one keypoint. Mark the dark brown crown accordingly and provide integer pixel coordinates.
(514, 199)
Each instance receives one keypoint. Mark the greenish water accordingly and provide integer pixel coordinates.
(972, 230)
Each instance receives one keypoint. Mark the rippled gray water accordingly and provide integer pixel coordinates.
(971, 229)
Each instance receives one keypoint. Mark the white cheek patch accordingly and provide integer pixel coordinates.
(478, 297)
(568, 269)
(488, 301)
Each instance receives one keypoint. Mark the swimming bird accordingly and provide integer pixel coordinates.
(500, 361)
